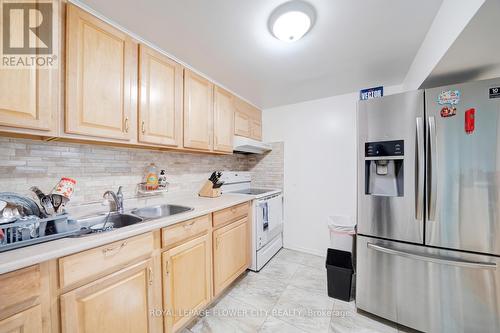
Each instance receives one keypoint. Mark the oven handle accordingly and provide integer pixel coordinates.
(433, 259)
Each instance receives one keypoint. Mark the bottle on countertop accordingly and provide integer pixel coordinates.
(151, 177)
(162, 179)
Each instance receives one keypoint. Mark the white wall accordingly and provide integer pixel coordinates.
(320, 165)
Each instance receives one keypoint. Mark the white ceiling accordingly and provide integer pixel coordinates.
(354, 43)
(475, 55)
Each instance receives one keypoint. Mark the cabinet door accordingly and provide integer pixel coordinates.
(230, 253)
(120, 302)
(160, 99)
(198, 111)
(28, 99)
(223, 120)
(256, 129)
(101, 63)
(187, 280)
(241, 118)
(27, 321)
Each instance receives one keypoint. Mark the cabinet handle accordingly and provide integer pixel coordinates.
(109, 251)
(189, 225)
(143, 129)
(166, 268)
(126, 125)
(150, 274)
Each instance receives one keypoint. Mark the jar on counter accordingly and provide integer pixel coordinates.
(151, 177)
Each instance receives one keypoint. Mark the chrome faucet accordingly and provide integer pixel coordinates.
(115, 205)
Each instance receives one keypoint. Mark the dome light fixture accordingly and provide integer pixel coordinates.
(291, 21)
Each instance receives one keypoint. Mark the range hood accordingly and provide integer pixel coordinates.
(246, 145)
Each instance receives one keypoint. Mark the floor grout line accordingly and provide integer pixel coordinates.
(273, 299)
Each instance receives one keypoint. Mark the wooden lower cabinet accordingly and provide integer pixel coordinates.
(122, 302)
(230, 248)
(187, 278)
(27, 321)
(131, 285)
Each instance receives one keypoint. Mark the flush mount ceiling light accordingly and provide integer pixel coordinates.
(291, 21)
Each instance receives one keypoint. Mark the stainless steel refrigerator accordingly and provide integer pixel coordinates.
(428, 246)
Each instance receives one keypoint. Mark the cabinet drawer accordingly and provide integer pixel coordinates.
(104, 259)
(19, 290)
(177, 233)
(228, 215)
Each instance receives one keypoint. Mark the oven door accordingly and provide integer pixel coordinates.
(268, 219)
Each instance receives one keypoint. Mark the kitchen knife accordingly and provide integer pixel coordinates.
(218, 184)
(213, 177)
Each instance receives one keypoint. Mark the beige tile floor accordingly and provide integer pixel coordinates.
(288, 295)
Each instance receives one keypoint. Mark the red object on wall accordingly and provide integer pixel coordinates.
(470, 122)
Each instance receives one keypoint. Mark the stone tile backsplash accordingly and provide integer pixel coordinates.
(267, 170)
(24, 163)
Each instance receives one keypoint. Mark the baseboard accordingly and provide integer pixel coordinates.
(305, 250)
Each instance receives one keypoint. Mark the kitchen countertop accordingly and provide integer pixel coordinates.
(31, 255)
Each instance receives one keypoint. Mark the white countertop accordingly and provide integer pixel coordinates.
(30, 255)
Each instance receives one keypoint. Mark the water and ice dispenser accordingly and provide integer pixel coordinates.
(384, 168)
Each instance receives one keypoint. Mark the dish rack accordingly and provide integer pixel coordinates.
(28, 232)
(141, 189)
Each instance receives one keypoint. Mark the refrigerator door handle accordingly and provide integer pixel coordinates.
(420, 169)
(434, 259)
(432, 169)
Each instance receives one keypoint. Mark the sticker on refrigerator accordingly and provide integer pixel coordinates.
(470, 122)
(451, 97)
(494, 92)
(448, 111)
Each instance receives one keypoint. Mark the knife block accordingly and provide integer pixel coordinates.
(208, 191)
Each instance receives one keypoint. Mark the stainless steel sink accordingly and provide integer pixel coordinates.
(156, 212)
(108, 222)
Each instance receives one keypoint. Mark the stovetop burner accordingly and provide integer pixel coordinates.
(252, 191)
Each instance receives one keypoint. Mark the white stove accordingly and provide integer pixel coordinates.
(267, 216)
(253, 191)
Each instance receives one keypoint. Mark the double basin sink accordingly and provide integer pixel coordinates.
(110, 221)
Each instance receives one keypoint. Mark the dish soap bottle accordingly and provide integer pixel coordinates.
(151, 177)
(162, 179)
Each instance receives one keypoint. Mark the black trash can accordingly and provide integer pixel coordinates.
(339, 272)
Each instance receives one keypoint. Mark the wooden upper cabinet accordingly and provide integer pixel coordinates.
(120, 302)
(160, 99)
(28, 99)
(241, 118)
(256, 129)
(198, 112)
(247, 120)
(101, 76)
(223, 120)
